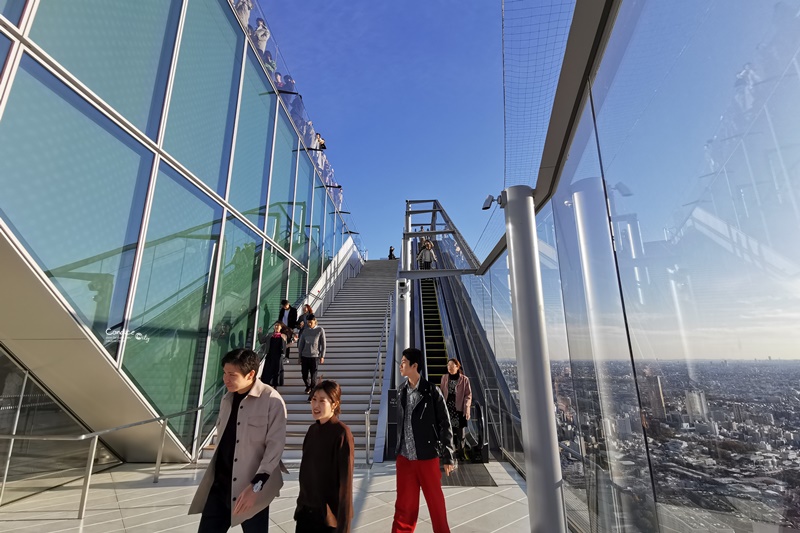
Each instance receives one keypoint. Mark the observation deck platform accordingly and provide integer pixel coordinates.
(125, 499)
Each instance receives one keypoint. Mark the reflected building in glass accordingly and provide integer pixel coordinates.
(160, 196)
(670, 255)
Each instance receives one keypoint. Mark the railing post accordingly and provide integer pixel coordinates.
(160, 449)
(87, 477)
(367, 416)
(13, 432)
(539, 438)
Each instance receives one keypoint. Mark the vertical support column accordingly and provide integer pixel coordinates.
(402, 339)
(407, 242)
(542, 465)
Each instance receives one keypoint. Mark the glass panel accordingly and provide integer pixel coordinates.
(12, 9)
(120, 50)
(340, 236)
(317, 232)
(274, 276)
(252, 157)
(330, 228)
(302, 209)
(203, 104)
(618, 487)
(39, 466)
(62, 156)
(165, 347)
(5, 45)
(281, 187)
(703, 179)
(297, 285)
(235, 307)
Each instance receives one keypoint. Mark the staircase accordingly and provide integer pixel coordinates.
(353, 325)
(435, 349)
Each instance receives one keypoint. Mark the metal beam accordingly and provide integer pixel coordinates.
(438, 273)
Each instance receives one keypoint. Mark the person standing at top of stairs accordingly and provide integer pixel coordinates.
(311, 348)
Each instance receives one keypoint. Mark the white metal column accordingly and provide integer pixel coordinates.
(542, 465)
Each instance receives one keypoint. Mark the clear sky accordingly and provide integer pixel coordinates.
(409, 99)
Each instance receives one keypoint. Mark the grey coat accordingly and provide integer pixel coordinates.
(261, 438)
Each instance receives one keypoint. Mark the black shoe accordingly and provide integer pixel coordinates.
(308, 390)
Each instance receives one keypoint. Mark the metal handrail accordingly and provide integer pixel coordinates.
(95, 436)
(378, 367)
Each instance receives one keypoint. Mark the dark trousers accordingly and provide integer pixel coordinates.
(426, 265)
(309, 523)
(411, 477)
(216, 516)
(272, 374)
(308, 365)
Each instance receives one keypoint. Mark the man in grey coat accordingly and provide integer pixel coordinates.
(312, 352)
(244, 474)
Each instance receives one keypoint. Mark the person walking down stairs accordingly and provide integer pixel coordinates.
(311, 347)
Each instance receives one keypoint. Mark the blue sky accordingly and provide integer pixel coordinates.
(409, 98)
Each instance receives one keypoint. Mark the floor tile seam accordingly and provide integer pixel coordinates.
(484, 514)
(40, 496)
(148, 523)
(155, 511)
(82, 525)
(151, 495)
(29, 502)
(472, 502)
(160, 500)
(510, 523)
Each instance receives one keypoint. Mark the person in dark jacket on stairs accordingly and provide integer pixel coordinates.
(325, 502)
(273, 363)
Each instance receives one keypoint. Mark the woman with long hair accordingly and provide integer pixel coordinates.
(272, 373)
(325, 502)
(458, 398)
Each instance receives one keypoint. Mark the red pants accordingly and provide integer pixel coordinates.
(411, 477)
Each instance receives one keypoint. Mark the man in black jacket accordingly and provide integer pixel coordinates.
(287, 315)
(423, 436)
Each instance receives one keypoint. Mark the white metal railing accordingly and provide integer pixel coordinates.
(94, 437)
(379, 368)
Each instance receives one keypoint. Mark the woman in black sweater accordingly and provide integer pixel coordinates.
(325, 502)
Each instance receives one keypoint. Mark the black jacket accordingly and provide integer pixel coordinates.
(433, 436)
(292, 316)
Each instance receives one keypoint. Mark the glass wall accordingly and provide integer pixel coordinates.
(27, 409)
(253, 155)
(58, 202)
(169, 323)
(93, 41)
(281, 191)
(302, 209)
(203, 106)
(136, 236)
(669, 257)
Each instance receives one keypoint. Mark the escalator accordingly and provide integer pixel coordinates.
(433, 334)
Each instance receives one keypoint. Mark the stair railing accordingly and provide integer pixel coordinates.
(379, 368)
(94, 437)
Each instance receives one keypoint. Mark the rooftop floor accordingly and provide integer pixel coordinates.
(125, 499)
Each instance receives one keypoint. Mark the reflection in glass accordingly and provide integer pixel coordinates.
(37, 466)
(93, 41)
(297, 285)
(281, 187)
(165, 349)
(618, 486)
(302, 209)
(203, 103)
(330, 229)
(233, 325)
(12, 9)
(703, 178)
(251, 160)
(87, 180)
(317, 232)
(5, 45)
(274, 276)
